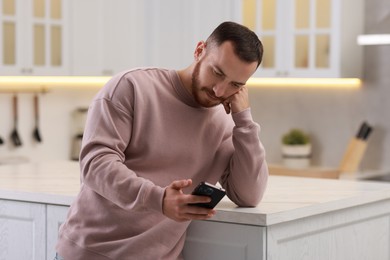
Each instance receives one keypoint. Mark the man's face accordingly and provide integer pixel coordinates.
(218, 74)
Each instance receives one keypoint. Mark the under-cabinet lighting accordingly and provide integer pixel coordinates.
(373, 39)
(45, 83)
(33, 82)
(305, 82)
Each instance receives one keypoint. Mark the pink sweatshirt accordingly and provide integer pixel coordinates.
(144, 130)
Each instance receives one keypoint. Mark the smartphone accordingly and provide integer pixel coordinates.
(212, 191)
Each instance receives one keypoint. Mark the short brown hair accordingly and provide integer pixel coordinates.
(247, 46)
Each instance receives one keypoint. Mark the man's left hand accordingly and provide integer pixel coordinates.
(237, 102)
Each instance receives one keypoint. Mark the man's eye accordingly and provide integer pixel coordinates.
(219, 74)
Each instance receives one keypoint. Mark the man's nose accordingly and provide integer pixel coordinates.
(219, 89)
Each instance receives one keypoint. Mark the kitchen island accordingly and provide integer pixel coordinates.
(299, 218)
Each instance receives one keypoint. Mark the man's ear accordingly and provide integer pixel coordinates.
(200, 48)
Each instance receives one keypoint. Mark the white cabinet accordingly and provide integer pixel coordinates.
(174, 27)
(34, 37)
(361, 232)
(111, 39)
(22, 230)
(122, 35)
(215, 240)
(29, 230)
(56, 215)
(85, 43)
(358, 233)
(307, 38)
(133, 33)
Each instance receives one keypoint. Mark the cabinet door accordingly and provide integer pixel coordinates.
(262, 17)
(10, 31)
(310, 38)
(122, 35)
(34, 35)
(56, 215)
(111, 39)
(174, 28)
(47, 32)
(85, 40)
(22, 230)
(306, 38)
(361, 232)
(216, 240)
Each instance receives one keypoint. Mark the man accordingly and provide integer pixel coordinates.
(153, 133)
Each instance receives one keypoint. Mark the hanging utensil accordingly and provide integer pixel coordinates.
(1, 140)
(36, 133)
(15, 135)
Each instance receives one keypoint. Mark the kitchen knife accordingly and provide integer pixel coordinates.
(362, 130)
(367, 132)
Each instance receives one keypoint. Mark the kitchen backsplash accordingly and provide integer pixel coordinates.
(56, 124)
(330, 116)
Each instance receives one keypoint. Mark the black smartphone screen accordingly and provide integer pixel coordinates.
(207, 189)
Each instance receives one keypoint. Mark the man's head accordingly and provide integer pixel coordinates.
(246, 44)
(224, 63)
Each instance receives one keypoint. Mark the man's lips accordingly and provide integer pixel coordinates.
(213, 97)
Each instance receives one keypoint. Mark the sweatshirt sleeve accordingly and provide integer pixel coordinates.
(107, 133)
(245, 180)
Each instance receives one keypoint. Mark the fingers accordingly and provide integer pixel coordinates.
(239, 101)
(226, 105)
(192, 199)
(177, 205)
(181, 184)
(189, 212)
(196, 213)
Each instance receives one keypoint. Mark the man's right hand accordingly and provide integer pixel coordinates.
(176, 203)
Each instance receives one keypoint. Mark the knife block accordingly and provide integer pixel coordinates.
(353, 156)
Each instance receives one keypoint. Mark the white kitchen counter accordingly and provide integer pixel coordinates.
(298, 218)
(49, 183)
(286, 198)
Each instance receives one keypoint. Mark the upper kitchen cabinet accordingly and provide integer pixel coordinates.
(107, 36)
(33, 37)
(176, 26)
(124, 34)
(307, 38)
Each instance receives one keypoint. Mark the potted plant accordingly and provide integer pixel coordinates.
(296, 148)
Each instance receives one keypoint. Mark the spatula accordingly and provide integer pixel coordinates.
(36, 133)
(14, 134)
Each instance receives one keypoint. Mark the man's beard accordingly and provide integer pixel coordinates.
(198, 91)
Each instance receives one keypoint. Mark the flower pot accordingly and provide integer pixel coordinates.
(296, 156)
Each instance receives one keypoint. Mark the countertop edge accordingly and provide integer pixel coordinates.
(43, 198)
(233, 215)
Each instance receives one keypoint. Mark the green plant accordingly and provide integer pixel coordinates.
(295, 137)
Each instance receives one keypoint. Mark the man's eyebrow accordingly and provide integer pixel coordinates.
(223, 73)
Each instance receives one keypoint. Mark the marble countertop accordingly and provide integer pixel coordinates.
(56, 182)
(286, 198)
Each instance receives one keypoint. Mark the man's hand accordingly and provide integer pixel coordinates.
(237, 102)
(175, 203)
